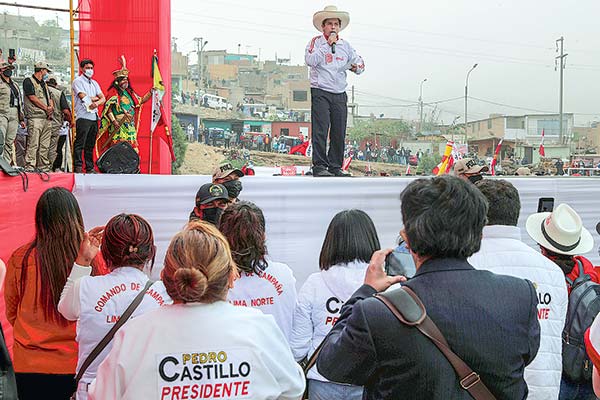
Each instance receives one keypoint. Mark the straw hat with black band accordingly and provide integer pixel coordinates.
(560, 231)
(330, 12)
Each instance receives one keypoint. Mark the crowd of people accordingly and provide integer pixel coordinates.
(386, 154)
(35, 121)
(226, 320)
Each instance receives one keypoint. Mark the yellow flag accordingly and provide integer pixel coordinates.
(158, 82)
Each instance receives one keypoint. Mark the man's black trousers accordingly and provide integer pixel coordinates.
(85, 139)
(329, 113)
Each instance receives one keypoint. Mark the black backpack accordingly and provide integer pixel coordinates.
(14, 171)
(120, 158)
(584, 305)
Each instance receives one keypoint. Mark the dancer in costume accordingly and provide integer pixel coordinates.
(121, 112)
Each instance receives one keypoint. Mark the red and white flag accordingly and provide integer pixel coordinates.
(444, 166)
(346, 163)
(408, 169)
(302, 148)
(495, 159)
(542, 152)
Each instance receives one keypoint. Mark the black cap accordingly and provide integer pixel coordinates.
(210, 192)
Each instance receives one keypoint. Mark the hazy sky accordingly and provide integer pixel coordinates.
(404, 42)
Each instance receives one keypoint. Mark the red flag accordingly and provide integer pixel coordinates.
(346, 163)
(444, 166)
(495, 159)
(408, 169)
(300, 148)
(542, 151)
(450, 165)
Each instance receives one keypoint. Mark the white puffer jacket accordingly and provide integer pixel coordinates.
(503, 252)
(319, 303)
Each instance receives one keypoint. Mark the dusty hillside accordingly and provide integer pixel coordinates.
(200, 159)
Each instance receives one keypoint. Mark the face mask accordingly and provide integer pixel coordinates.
(7, 73)
(45, 77)
(475, 178)
(233, 188)
(89, 73)
(212, 215)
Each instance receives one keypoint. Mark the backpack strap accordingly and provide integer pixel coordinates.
(111, 333)
(581, 277)
(410, 310)
(44, 176)
(569, 281)
(581, 270)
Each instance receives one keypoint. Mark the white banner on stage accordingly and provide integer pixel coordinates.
(299, 209)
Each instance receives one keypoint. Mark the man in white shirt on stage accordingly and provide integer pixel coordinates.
(329, 57)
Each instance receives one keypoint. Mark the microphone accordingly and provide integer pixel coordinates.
(333, 44)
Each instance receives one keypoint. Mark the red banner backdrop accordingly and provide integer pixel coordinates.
(17, 222)
(133, 28)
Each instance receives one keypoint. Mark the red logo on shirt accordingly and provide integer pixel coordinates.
(328, 58)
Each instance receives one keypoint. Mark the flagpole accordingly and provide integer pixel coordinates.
(151, 144)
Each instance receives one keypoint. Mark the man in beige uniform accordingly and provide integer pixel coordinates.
(39, 109)
(10, 112)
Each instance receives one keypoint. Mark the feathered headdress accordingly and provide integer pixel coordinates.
(123, 72)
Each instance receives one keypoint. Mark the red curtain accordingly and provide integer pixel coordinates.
(17, 213)
(133, 28)
(17, 221)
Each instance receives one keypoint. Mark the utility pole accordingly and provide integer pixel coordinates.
(421, 105)
(200, 43)
(466, 97)
(561, 57)
(354, 113)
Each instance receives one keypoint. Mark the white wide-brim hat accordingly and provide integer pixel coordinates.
(560, 231)
(330, 12)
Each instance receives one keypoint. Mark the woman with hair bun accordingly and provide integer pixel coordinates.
(97, 302)
(264, 284)
(201, 346)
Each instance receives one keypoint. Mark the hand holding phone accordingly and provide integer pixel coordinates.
(376, 276)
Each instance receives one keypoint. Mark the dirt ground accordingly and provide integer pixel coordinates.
(201, 159)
